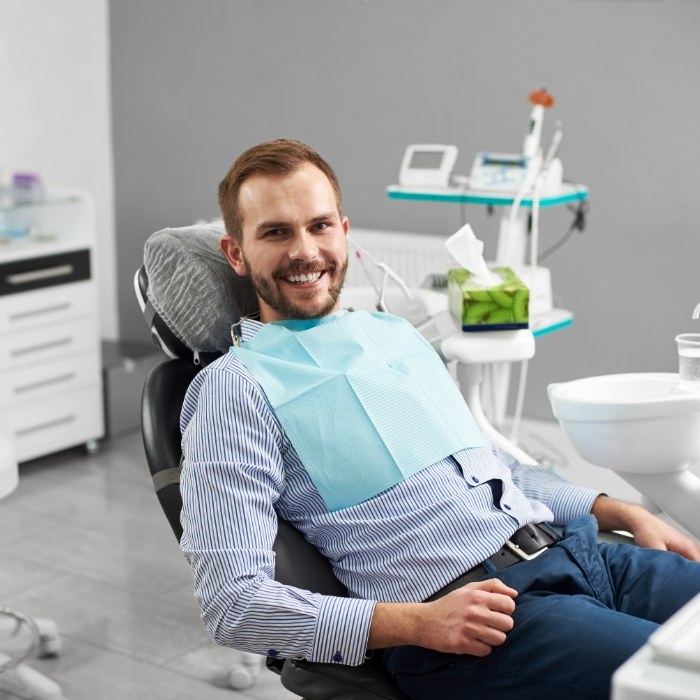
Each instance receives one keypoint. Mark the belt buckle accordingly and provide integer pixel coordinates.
(523, 554)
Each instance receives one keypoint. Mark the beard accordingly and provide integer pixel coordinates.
(300, 308)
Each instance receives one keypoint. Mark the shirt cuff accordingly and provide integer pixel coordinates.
(570, 501)
(342, 630)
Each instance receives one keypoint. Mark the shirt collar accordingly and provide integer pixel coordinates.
(249, 328)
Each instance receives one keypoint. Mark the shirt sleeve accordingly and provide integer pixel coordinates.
(566, 501)
(233, 473)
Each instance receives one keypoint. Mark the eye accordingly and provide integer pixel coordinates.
(321, 226)
(273, 233)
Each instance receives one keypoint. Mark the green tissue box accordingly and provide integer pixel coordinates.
(499, 308)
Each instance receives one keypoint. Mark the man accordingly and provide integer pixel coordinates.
(262, 431)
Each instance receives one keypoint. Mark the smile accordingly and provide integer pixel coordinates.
(302, 279)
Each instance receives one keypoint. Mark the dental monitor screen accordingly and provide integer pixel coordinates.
(427, 165)
(427, 159)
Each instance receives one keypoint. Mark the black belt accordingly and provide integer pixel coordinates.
(524, 544)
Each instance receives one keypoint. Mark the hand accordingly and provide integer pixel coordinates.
(472, 619)
(647, 530)
(654, 533)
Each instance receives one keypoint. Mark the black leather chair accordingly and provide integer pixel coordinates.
(298, 563)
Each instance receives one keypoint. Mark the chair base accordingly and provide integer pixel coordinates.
(48, 644)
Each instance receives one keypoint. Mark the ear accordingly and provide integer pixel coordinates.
(346, 225)
(233, 253)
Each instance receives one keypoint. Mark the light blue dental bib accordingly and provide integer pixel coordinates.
(363, 398)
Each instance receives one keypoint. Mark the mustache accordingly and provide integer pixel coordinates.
(306, 268)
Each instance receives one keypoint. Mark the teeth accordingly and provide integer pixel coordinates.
(311, 277)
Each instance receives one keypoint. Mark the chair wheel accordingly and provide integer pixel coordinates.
(49, 647)
(240, 677)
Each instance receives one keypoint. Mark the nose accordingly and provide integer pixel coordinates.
(304, 246)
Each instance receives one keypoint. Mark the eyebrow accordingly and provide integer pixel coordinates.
(265, 225)
(269, 225)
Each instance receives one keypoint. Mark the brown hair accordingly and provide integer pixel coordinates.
(278, 157)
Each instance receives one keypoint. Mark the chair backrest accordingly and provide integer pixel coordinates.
(161, 401)
(192, 295)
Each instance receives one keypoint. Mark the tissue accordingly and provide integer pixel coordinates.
(483, 299)
(468, 251)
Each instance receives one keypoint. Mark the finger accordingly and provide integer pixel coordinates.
(477, 648)
(482, 642)
(685, 547)
(689, 551)
(500, 603)
(480, 597)
(487, 615)
(494, 585)
(492, 637)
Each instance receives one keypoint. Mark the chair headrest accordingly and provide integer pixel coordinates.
(193, 290)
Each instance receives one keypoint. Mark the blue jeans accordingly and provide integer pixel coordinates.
(583, 608)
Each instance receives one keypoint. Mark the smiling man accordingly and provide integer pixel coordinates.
(347, 425)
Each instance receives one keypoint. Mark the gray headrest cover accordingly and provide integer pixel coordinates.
(193, 288)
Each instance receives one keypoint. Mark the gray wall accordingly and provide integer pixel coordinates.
(196, 83)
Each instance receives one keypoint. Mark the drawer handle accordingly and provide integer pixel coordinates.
(43, 426)
(38, 275)
(46, 382)
(39, 348)
(37, 312)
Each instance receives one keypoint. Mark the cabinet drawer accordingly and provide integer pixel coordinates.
(21, 276)
(44, 345)
(45, 306)
(39, 381)
(54, 423)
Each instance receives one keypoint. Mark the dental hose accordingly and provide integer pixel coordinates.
(519, 402)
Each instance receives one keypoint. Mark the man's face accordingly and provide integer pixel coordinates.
(294, 244)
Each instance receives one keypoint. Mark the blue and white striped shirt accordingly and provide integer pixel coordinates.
(240, 473)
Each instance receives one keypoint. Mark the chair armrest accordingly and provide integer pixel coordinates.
(313, 681)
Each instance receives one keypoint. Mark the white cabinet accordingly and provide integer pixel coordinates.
(50, 368)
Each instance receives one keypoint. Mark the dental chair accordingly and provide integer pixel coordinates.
(190, 297)
(184, 278)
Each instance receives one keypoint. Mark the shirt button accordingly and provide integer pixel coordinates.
(337, 657)
(475, 479)
(272, 652)
(506, 506)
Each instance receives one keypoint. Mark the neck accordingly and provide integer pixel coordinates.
(268, 314)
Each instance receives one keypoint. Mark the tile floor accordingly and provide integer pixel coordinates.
(83, 541)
